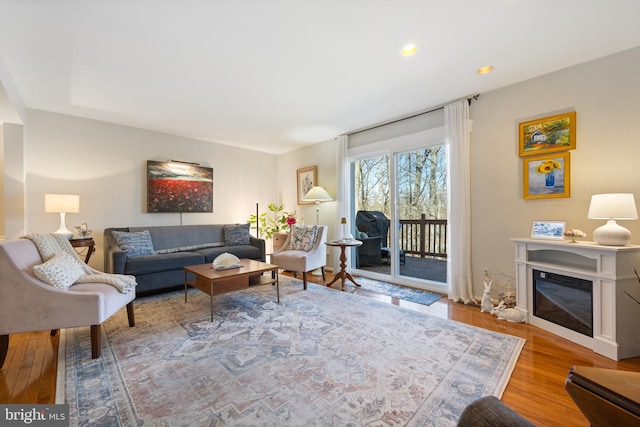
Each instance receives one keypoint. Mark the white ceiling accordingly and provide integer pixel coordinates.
(274, 75)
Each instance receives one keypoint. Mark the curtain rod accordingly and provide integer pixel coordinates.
(469, 99)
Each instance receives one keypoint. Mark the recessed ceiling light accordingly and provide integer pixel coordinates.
(409, 50)
(485, 70)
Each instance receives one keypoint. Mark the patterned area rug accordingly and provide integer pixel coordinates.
(398, 291)
(319, 358)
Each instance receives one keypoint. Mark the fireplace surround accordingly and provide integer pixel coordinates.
(610, 270)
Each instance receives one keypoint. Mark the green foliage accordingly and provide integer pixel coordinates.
(270, 222)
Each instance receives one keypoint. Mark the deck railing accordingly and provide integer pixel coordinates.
(423, 237)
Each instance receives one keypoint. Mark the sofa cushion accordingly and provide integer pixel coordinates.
(135, 243)
(178, 236)
(241, 251)
(162, 262)
(236, 234)
(303, 237)
(61, 271)
(189, 248)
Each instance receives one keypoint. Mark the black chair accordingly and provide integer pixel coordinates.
(369, 253)
(374, 249)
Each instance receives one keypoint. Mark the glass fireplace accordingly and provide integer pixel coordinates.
(563, 300)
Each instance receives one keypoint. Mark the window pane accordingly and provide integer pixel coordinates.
(422, 213)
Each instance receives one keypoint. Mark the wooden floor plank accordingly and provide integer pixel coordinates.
(535, 390)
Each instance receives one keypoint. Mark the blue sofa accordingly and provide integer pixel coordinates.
(158, 263)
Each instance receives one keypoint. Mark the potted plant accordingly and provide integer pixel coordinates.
(273, 221)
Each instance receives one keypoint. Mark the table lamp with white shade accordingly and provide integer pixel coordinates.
(62, 204)
(612, 207)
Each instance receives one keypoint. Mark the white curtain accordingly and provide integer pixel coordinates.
(342, 188)
(457, 129)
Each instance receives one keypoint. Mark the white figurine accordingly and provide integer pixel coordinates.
(486, 305)
(508, 314)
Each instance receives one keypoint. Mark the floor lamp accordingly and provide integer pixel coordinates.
(317, 195)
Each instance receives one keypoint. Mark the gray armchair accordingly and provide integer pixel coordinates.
(489, 411)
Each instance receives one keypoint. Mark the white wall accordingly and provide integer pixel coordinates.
(604, 93)
(106, 165)
(323, 155)
(13, 201)
(2, 205)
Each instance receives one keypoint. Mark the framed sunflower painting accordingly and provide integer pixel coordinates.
(546, 176)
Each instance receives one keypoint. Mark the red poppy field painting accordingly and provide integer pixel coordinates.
(179, 187)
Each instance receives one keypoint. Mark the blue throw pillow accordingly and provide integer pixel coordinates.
(237, 234)
(136, 243)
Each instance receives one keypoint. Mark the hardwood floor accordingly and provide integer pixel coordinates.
(536, 389)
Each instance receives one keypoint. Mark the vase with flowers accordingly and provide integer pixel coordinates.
(547, 168)
(273, 221)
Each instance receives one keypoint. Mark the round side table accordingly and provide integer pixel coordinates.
(85, 243)
(343, 274)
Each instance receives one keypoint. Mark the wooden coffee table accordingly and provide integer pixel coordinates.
(210, 281)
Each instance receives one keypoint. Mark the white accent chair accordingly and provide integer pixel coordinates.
(299, 261)
(27, 304)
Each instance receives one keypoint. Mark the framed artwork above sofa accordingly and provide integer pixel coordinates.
(179, 187)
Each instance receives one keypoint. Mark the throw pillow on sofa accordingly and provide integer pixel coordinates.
(237, 234)
(136, 243)
(303, 237)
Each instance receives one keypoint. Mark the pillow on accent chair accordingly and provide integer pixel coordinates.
(303, 237)
(61, 271)
(136, 243)
(237, 234)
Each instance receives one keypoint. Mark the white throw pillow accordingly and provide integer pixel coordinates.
(61, 271)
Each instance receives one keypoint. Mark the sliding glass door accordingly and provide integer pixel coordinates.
(399, 200)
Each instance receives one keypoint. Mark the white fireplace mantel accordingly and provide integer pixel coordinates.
(616, 316)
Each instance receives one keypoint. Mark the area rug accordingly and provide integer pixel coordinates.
(398, 291)
(320, 357)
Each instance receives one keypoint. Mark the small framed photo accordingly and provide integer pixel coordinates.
(307, 178)
(548, 135)
(553, 230)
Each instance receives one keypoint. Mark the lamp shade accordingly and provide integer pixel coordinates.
(61, 203)
(611, 207)
(317, 194)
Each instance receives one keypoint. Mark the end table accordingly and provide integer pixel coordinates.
(86, 244)
(343, 273)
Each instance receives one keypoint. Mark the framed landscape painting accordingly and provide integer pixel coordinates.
(307, 178)
(179, 187)
(548, 135)
(546, 176)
